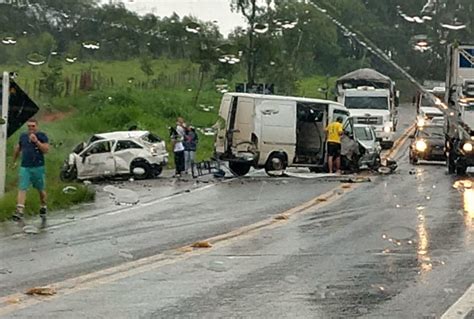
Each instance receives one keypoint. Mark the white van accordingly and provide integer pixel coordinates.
(273, 132)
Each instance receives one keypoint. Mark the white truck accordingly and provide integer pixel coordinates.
(371, 99)
(460, 100)
(273, 132)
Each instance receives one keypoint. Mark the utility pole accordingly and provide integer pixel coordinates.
(3, 130)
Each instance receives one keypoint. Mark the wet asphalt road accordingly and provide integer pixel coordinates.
(398, 247)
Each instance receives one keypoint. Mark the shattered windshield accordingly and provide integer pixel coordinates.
(366, 102)
(363, 133)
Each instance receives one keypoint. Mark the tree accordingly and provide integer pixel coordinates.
(249, 10)
(51, 82)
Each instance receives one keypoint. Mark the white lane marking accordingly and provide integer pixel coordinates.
(461, 308)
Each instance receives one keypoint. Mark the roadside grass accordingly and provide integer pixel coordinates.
(108, 110)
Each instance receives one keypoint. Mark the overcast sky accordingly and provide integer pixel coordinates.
(208, 10)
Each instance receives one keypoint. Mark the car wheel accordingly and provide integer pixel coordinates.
(239, 169)
(276, 162)
(413, 159)
(141, 170)
(68, 175)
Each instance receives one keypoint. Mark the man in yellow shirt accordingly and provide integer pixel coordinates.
(334, 132)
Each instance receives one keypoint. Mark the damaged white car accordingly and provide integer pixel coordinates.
(140, 154)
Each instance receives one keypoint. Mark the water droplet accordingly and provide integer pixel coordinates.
(71, 59)
(113, 241)
(5, 271)
(69, 190)
(35, 59)
(91, 45)
(453, 27)
(261, 28)
(9, 41)
(125, 254)
(217, 266)
(30, 229)
(193, 27)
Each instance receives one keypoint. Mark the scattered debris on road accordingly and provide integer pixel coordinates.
(41, 291)
(282, 217)
(202, 244)
(122, 196)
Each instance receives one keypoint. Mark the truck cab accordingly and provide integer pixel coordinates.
(369, 105)
(459, 97)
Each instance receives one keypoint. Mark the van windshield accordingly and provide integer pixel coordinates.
(367, 102)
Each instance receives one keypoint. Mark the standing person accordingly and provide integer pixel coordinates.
(32, 146)
(178, 150)
(334, 132)
(191, 140)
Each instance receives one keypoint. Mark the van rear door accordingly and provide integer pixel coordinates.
(240, 123)
(222, 124)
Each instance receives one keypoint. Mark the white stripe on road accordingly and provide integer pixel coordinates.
(461, 308)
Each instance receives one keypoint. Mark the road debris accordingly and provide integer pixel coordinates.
(121, 196)
(185, 249)
(41, 291)
(282, 217)
(202, 244)
(13, 301)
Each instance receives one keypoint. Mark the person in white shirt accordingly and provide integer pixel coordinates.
(177, 137)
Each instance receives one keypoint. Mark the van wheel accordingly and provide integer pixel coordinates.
(141, 170)
(276, 162)
(239, 169)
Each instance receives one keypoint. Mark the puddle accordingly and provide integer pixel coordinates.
(217, 266)
(122, 196)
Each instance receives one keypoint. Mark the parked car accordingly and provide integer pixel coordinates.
(428, 144)
(140, 154)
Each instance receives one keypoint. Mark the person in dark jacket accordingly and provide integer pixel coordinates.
(190, 142)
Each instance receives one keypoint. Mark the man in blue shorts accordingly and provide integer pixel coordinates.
(32, 147)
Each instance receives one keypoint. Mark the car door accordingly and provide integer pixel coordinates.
(97, 160)
(125, 151)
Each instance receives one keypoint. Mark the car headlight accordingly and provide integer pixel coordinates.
(421, 122)
(387, 129)
(467, 147)
(421, 146)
